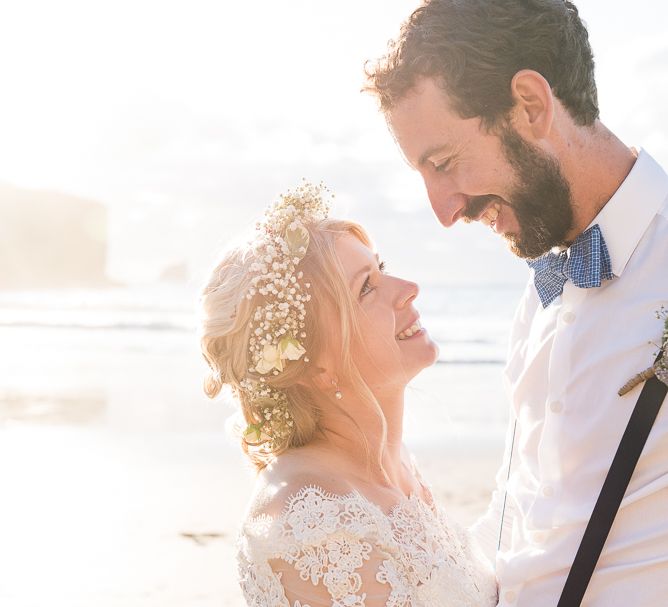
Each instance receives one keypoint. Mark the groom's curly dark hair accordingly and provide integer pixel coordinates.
(475, 47)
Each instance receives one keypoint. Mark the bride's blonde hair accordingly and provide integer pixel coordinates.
(225, 331)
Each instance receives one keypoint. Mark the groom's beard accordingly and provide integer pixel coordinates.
(541, 199)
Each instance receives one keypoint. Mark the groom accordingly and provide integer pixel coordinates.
(494, 103)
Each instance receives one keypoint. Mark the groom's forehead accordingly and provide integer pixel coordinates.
(423, 124)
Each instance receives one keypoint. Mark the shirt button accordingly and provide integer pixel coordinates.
(548, 491)
(568, 317)
(510, 596)
(556, 406)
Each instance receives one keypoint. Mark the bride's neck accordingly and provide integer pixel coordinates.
(360, 438)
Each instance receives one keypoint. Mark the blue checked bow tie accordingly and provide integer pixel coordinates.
(586, 266)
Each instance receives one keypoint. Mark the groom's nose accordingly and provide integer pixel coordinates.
(447, 203)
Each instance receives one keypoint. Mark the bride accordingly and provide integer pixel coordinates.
(318, 344)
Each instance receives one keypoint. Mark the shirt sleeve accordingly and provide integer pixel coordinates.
(487, 529)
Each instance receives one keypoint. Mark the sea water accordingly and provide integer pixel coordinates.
(128, 358)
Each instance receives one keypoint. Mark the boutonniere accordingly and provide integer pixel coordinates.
(660, 368)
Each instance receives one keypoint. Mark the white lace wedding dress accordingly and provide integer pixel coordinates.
(328, 550)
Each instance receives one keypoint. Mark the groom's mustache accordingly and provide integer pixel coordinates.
(477, 204)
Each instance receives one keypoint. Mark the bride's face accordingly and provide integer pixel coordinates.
(392, 346)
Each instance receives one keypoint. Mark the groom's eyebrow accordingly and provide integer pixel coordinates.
(437, 149)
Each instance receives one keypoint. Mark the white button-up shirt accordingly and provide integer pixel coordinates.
(565, 366)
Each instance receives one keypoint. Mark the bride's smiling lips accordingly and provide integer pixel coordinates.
(411, 330)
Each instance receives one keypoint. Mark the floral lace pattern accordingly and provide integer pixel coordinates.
(414, 552)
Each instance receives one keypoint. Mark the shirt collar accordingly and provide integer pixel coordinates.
(627, 215)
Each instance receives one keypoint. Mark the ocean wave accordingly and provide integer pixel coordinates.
(108, 326)
(471, 361)
(476, 351)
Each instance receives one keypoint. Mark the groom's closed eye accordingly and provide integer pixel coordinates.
(442, 165)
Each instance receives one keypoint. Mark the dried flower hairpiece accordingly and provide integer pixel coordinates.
(660, 368)
(278, 323)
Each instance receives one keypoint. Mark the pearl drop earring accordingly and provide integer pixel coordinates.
(337, 394)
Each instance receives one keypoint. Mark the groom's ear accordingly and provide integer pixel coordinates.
(533, 112)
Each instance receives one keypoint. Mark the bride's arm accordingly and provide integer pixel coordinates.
(339, 584)
(308, 549)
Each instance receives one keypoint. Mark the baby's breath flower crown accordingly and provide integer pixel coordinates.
(277, 329)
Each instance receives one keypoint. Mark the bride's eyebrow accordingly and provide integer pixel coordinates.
(363, 270)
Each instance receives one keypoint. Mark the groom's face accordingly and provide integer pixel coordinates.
(471, 174)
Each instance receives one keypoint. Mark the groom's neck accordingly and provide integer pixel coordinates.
(595, 162)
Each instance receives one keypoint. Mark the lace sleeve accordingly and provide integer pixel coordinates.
(475, 563)
(319, 553)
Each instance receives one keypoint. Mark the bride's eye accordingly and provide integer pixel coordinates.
(367, 287)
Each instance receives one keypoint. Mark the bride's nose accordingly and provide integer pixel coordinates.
(407, 292)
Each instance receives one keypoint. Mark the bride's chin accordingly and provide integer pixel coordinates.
(430, 357)
(435, 353)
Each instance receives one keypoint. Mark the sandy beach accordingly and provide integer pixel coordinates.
(91, 518)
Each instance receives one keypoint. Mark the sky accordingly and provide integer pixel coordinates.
(186, 118)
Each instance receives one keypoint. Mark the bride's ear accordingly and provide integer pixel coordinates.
(321, 379)
(311, 376)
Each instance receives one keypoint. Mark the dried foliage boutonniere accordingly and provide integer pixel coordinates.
(660, 368)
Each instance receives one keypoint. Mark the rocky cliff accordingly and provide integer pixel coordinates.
(51, 240)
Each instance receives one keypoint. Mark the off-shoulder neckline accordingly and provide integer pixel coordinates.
(354, 494)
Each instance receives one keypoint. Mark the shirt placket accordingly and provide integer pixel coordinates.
(559, 411)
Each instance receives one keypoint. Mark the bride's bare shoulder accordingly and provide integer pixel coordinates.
(276, 484)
